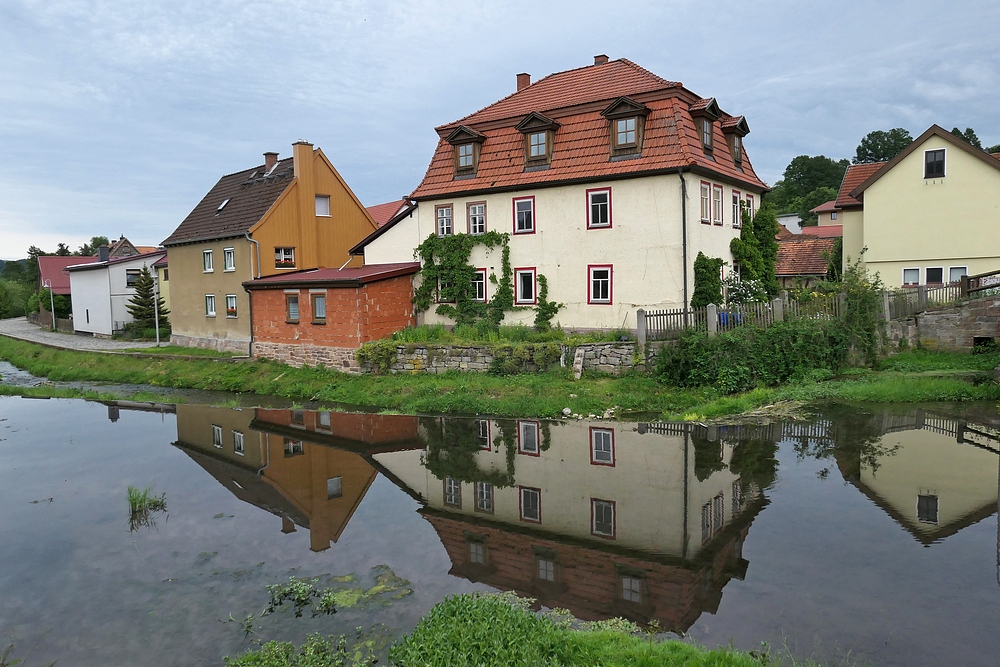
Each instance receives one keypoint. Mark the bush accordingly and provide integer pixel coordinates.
(749, 357)
(514, 359)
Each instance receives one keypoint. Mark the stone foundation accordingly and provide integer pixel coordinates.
(340, 358)
(233, 345)
(957, 327)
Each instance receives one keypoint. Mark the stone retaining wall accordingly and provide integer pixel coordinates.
(340, 358)
(235, 346)
(957, 327)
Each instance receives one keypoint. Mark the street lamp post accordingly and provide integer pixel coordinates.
(52, 303)
(156, 304)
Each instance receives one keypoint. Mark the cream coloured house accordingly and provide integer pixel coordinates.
(609, 179)
(928, 216)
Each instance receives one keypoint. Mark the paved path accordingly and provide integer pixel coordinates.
(22, 329)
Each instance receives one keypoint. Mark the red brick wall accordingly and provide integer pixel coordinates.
(362, 428)
(354, 315)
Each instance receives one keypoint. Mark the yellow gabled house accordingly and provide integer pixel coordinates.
(928, 216)
(281, 216)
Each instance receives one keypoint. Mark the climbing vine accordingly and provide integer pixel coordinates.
(447, 276)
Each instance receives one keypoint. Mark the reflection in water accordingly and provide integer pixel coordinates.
(645, 521)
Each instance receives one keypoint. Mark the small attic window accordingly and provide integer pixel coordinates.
(466, 145)
(737, 148)
(627, 122)
(221, 206)
(706, 133)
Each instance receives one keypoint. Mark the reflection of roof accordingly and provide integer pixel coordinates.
(825, 206)
(856, 174)
(575, 100)
(348, 277)
(824, 231)
(247, 195)
(383, 213)
(51, 268)
(803, 256)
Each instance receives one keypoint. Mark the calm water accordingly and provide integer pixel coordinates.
(868, 533)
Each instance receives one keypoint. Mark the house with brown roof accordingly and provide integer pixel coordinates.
(608, 179)
(928, 216)
(803, 260)
(279, 217)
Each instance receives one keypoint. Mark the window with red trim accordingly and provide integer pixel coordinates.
(737, 210)
(706, 202)
(717, 204)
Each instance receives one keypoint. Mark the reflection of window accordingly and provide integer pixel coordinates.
(631, 589)
(334, 487)
(483, 434)
(210, 305)
(718, 505)
(231, 305)
(602, 446)
(927, 509)
(531, 504)
(324, 420)
(216, 435)
(546, 569)
(299, 417)
(452, 492)
(739, 500)
(131, 277)
(238, 442)
(603, 515)
(293, 447)
(527, 438)
(292, 308)
(484, 497)
(477, 553)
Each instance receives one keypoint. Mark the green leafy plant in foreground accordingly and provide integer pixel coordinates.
(317, 651)
(143, 504)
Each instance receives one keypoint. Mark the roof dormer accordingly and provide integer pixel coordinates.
(735, 128)
(705, 112)
(539, 134)
(467, 144)
(626, 126)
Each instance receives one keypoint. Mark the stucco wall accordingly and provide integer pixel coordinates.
(643, 245)
(91, 298)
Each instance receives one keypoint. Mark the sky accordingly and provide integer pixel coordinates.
(116, 117)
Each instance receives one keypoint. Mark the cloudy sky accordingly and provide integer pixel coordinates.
(116, 116)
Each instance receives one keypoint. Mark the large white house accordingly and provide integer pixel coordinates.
(101, 291)
(610, 181)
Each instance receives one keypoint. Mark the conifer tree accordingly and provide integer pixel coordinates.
(140, 306)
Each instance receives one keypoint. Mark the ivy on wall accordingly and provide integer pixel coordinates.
(447, 276)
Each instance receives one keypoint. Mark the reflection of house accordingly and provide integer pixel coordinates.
(604, 520)
(271, 459)
(101, 290)
(934, 476)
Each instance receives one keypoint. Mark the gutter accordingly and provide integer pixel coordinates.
(684, 235)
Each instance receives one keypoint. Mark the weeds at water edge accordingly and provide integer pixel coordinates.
(143, 505)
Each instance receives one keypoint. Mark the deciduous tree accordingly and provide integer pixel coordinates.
(882, 145)
(969, 136)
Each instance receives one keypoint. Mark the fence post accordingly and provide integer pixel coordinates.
(712, 315)
(885, 305)
(640, 328)
(965, 287)
(922, 297)
(841, 304)
(777, 307)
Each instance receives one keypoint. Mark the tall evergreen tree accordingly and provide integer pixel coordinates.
(707, 281)
(756, 250)
(141, 306)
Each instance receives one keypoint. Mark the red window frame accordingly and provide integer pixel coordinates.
(517, 285)
(738, 212)
(602, 463)
(611, 284)
(538, 436)
(534, 214)
(520, 503)
(750, 205)
(722, 204)
(706, 214)
(614, 517)
(590, 224)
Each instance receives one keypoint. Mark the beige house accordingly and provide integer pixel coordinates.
(928, 216)
(281, 216)
(609, 180)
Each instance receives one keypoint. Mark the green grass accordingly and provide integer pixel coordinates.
(471, 335)
(178, 350)
(541, 395)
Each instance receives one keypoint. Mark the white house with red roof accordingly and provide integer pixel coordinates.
(609, 179)
(101, 290)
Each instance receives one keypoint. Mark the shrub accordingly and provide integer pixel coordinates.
(378, 353)
(514, 359)
(707, 281)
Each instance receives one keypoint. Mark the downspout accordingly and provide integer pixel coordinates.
(684, 235)
(249, 293)
(687, 429)
(257, 246)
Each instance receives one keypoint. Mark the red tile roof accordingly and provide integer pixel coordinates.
(383, 213)
(855, 176)
(803, 256)
(52, 268)
(576, 86)
(581, 150)
(825, 206)
(346, 277)
(783, 232)
(824, 231)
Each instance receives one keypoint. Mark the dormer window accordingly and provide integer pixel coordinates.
(627, 119)
(467, 144)
(737, 148)
(705, 112)
(706, 134)
(735, 128)
(539, 135)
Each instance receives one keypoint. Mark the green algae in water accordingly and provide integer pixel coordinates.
(326, 594)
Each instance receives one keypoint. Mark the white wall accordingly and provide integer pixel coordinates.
(643, 245)
(91, 303)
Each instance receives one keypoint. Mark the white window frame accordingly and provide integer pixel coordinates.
(217, 436)
(911, 268)
(536, 149)
(334, 487)
(623, 131)
(477, 282)
(465, 156)
(591, 205)
(518, 296)
(207, 262)
(591, 281)
(610, 451)
(604, 505)
(717, 197)
(944, 171)
(239, 443)
(323, 206)
(229, 259)
(452, 492)
(484, 497)
(209, 305)
(522, 492)
(231, 298)
(523, 428)
(524, 218)
(477, 218)
(750, 202)
(965, 272)
(280, 255)
(444, 220)
(313, 300)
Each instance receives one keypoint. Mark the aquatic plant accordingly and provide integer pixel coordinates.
(326, 595)
(143, 504)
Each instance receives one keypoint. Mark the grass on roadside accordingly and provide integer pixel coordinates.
(177, 350)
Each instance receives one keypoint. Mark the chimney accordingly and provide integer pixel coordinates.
(270, 159)
(103, 253)
(601, 59)
(523, 81)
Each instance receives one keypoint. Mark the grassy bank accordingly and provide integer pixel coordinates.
(909, 377)
(500, 631)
